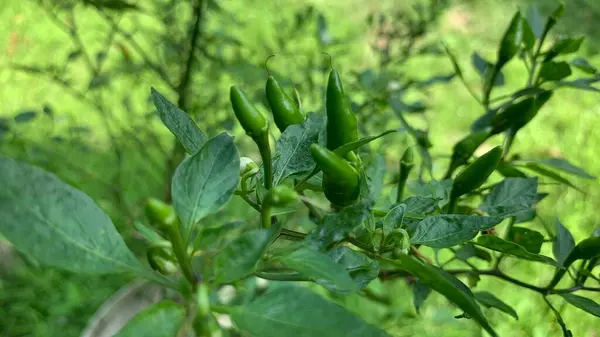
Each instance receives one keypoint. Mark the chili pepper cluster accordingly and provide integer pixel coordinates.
(341, 173)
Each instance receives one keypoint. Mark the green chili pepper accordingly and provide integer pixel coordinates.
(474, 175)
(464, 149)
(584, 250)
(160, 261)
(256, 126)
(341, 122)
(253, 122)
(508, 170)
(511, 115)
(340, 179)
(285, 111)
(406, 165)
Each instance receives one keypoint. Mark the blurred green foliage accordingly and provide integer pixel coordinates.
(86, 116)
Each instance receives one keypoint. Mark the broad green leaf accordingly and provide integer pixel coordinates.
(160, 320)
(375, 173)
(564, 165)
(507, 247)
(294, 311)
(564, 46)
(419, 207)
(554, 71)
(447, 285)
(293, 148)
(583, 65)
(25, 116)
(148, 233)
(583, 303)
(527, 238)
(393, 219)
(511, 41)
(318, 266)
(420, 293)
(337, 226)
(344, 149)
(535, 167)
(468, 250)
(529, 38)
(179, 123)
(436, 189)
(204, 182)
(584, 250)
(535, 20)
(210, 237)
(58, 225)
(447, 230)
(511, 197)
(361, 268)
(491, 301)
(563, 243)
(239, 257)
(484, 68)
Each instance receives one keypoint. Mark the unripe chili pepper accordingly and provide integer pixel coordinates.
(284, 108)
(340, 179)
(280, 195)
(406, 165)
(474, 175)
(256, 126)
(160, 261)
(341, 122)
(464, 149)
(511, 115)
(253, 122)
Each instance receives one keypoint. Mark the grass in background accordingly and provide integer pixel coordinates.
(564, 126)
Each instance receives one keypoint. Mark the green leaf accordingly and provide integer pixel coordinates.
(581, 83)
(58, 225)
(393, 219)
(212, 236)
(179, 123)
(535, 20)
(535, 167)
(447, 285)
(436, 189)
(529, 239)
(25, 116)
(361, 268)
(420, 294)
(160, 320)
(118, 5)
(529, 38)
(553, 18)
(563, 243)
(584, 250)
(419, 207)
(564, 165)
(318, 266)
(294, 311)
(583, 65)
(468, 250)
(375, 172)
(239, 257)
(564, 46)
(507, 247)
(491, 301)
(204, 182)
(344, 149)
(148, 233)
(337, 226)
(447, 230)
(484, 68)
(455, 65)
(293, 148)
(554, 71)
(583, 303)
(511, 42)
(511, 197)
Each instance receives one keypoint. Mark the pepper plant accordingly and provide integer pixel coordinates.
(351, 232)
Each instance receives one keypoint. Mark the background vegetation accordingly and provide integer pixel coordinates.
(75, 100)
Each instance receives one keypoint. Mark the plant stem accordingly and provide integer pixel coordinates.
(179, 249)
(265, 216)
(222, 309)
(488, 88)
(265, 153)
